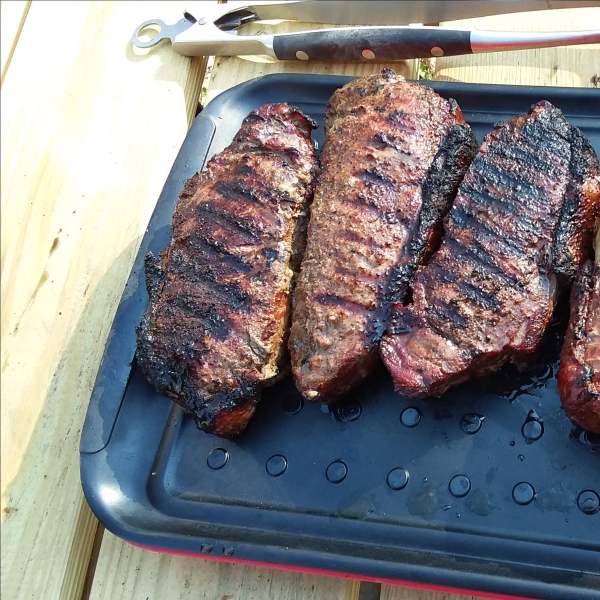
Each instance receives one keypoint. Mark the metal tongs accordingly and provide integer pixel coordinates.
(209, 29)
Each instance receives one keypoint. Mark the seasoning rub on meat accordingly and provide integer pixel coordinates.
(393, 157)
(215, 329)
(518, 230)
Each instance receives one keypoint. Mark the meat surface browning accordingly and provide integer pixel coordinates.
(579, 372)
(215, 329)
(519, 228)
(394, 155)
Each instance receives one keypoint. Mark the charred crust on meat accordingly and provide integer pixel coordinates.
(358, 111)
(581, 209)
(190, 187)
(396, 116)
(155, 274)
(445, 175)
(384, 140)
(454, 108)
(375, 176)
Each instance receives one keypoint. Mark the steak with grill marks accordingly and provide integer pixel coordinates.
(393, 157)
(215, 329)
(520, 226)
(579, 372)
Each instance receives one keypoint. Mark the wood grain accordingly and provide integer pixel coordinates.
(89, 132)
(232, 70)
(569, 66)
(392, 592)
(12, 19)
(124, 572)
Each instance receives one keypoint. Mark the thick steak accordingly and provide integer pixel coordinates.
(520, 226)
(216, 325)
(394, 155)
(579, 372)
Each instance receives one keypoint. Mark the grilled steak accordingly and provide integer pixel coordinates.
(215, 328)
(520, 226)
(394, 155)
(579, 373)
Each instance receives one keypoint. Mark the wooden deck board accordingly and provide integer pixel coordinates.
(568, 66)
(125, 572)
(89, 133)
(12, 19)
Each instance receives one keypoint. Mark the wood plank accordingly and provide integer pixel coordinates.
(570, 66)
(232, 70)
(125, 572)
(90, 130)
(12, 18)
(394, 592)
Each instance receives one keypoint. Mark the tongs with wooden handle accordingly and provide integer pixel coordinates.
(211, 29)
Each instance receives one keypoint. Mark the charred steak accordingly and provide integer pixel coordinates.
(520, 226)
(579, 372)
(394, 155)
(216, 325)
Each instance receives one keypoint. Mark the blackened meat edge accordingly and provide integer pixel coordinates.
(519, 228)
(393, 157)
(215, 329)
(579, 371)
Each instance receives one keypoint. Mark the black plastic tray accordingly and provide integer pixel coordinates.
(147, 474)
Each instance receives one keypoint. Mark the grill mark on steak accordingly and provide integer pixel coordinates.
(258, 194)
(464, 219)
(449, 311)
(208, 284)
(212, 216)
(185, 308)
(480, 261)
(486, 200)
(501, 270)
(238, 191)
(214, 332)
(354, 237)
(478, 296)
(501, 180)
(210, 250)
(526, 156)
(393, 157)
